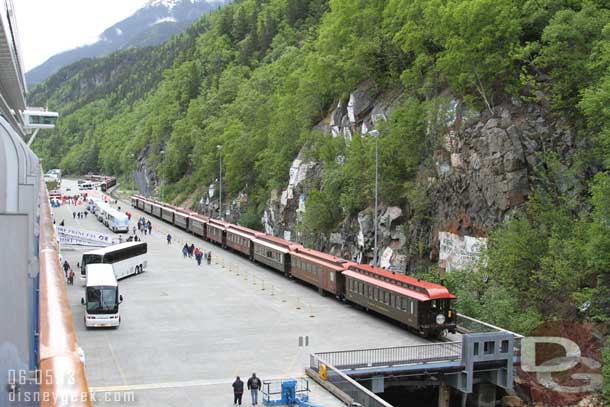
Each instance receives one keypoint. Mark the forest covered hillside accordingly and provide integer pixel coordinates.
(262, 77)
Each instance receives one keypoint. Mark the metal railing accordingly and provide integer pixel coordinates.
(395, 356)
(62, 374)
(272, 389)
(348, 386)
(468, 324)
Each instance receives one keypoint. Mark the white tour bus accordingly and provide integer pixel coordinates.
(102, 297)
(125, 258)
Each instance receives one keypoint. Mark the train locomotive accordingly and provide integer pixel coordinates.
(422, 306)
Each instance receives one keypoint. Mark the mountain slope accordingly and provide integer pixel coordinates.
(149, 26)
(488, 97)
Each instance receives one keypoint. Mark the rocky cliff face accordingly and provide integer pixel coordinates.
(481, 174)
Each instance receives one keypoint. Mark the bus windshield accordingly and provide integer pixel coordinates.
(89, 259)
(102, 300)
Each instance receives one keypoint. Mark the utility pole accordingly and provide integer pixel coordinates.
(220, 213)
(162, 183)
(376, 134)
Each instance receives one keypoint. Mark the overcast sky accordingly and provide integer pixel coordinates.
(47, 27)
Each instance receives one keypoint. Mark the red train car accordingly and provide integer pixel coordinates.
(216, 231)
(421, 305)
(319, 269)
(181, 218)
(274, 252)
(239, 238)
(197, 224)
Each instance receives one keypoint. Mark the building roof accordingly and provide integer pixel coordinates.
(435, 291)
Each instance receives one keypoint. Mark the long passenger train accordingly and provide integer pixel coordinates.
(420, 305)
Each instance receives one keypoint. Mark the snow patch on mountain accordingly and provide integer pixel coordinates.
(170, 4)
(164, 20)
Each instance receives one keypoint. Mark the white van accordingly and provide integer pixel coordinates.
(102, 297)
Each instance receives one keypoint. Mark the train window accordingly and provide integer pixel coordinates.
(504, 346)
(385, 297)
(332, 276)
(411, 301)
(391, 300)
(269, 253)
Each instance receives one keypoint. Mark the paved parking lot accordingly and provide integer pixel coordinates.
(187, 331)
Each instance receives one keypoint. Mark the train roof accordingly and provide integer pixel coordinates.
(276, 243)
(388, 286)
(321, 258)
(279, 241)
(199, 216)
(218, 222)
(434, 291)
(244, 231)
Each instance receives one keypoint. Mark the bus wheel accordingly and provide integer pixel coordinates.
(141, 268)
(137, 269)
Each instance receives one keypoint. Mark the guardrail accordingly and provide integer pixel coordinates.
(468, 324)
(344, 387)
(62, 374)
(395, 356)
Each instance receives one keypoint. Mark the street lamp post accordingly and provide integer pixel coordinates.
(134, 169)
(162, 152)
(376, 134)
(220, 214)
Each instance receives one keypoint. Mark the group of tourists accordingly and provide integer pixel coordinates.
(144, 226)
(80, 215)
(192, 251)
(254, 385)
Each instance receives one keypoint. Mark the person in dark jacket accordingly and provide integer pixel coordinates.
(66, 268)
(254, 385)
(238, 391)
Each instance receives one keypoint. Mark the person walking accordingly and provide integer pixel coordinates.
(254, 385)
(74, 215)
(145, 230)
(238, 391)
(210, 257)
(192, 250)
(198, 256)
(86, 213)
(149, 228)
(185, 250)
(169, 239)
(71, 277)
(66, 268)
